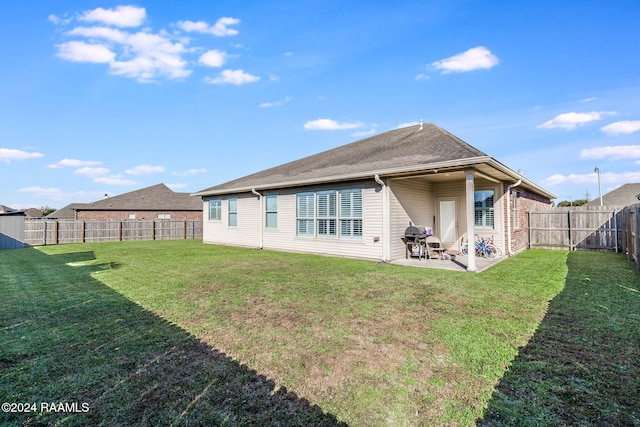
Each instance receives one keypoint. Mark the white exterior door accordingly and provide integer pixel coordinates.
(447, 210)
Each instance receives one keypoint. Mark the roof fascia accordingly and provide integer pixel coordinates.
(350, 177)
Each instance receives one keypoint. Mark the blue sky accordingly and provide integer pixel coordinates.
(103, 97)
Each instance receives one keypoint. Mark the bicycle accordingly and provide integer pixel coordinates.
(482, 248)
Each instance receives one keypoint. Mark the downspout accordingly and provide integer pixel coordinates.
(253, 190)
(386, 239)
(509, 188)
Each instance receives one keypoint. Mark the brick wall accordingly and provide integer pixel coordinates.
(526, 201)
(122, 215)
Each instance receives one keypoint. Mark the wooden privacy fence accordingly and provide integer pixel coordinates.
(53, 232)
(592, 228)
(631, 233)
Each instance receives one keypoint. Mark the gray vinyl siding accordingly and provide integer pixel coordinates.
(251, 216)
(410, 200)
(246, 233)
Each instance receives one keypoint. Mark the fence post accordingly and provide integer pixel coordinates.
(570, 236)
(636, 227)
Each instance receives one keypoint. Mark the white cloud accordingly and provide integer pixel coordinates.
(8, 154)
(622, 127)
(406, 125)
(114, 180)
(109, 34)
(615, 152)
(593, 98)
(89, 171)
(177, 186)
(279, 103)
(121, 16)
(213, 58)
(234, 77)
(143, 54)
(592, 178)
(73, 163)
(219, 29)
(328, 124)
(59, 21)
(423, 77)
(79, 51)
(571, 121)
(145, 170)
(189, 172)
(39, 191)
(473, 59)
(364, 133)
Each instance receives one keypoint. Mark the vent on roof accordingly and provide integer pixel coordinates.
(421, 125)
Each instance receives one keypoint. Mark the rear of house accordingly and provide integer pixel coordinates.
(356, 200)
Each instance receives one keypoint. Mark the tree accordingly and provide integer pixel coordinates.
(46, 210)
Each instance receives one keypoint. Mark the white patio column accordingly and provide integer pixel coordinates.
(471, 218)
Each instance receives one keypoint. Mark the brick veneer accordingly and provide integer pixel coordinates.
(527, 201)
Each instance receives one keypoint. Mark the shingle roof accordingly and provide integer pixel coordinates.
(415, 145)
(155, 198)
(622, 196)
(67, 212)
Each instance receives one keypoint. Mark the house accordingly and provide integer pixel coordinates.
(29, 213)
(357, 200)
(155, 202)
(625, 195)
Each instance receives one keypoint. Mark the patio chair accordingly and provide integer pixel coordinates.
(434, 248)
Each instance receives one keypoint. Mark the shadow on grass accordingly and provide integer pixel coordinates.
(68, 339)
(582, 366)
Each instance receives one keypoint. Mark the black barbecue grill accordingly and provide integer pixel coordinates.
(415, 239)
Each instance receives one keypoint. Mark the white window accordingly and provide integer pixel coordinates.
(334, 213)
(326, 214)
(215, 209)
(233, 212)
(132, 216)
(351, 213)
(271, 211)
(305, 213)
(164, 216)
(484, 209)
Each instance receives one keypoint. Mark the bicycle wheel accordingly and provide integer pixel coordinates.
(464, 249)
(489, 251)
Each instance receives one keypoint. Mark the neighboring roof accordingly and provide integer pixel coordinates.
(628, 194)
(33, 213)
(155, 198)
(400, 151)
(68, 212)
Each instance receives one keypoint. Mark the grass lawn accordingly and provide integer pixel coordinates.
(181, 333)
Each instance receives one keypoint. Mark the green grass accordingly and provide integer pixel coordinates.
(181, 333)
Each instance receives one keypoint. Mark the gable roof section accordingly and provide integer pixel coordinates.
(155, 198)
(622, 196)
(396, 148)
(406, 150)
(67, 212)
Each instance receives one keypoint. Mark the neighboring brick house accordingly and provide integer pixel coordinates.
(155, 202)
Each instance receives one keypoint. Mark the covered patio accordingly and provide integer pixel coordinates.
(455, 263)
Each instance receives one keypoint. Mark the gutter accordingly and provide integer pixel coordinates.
(386, 234)
(348, 177)
(261, 241)
(509, 188)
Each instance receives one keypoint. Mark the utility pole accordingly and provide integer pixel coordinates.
(597, 170)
